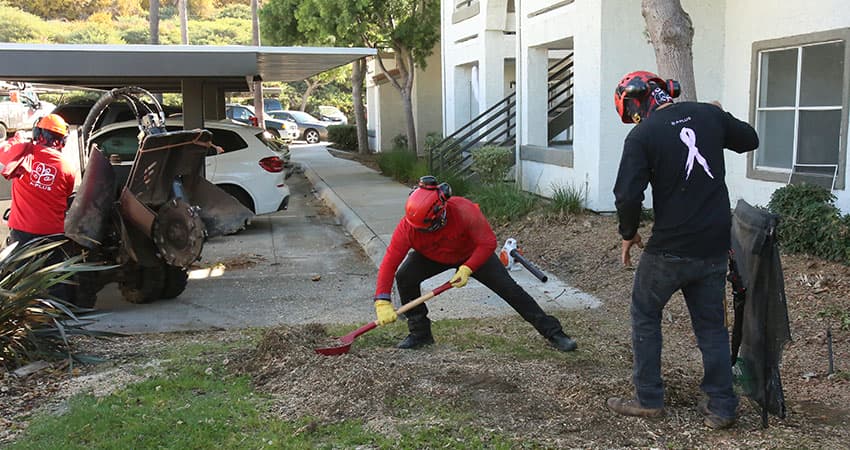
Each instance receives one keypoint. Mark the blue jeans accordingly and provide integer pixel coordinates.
(703, 283)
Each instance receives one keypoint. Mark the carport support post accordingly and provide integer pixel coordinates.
(213, 101)
(193, 103)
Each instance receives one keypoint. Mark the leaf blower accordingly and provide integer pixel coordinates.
(510, 255)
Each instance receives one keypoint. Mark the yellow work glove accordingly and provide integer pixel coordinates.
(385, 312)
(461, 277)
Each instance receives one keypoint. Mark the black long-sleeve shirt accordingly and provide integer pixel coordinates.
(679, 150)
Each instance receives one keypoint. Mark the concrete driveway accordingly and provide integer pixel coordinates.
(267, 279)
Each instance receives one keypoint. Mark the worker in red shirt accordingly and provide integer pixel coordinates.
(42, 180)
(449, 232)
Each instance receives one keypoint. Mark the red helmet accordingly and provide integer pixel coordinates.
(639, 93)
(426, 206)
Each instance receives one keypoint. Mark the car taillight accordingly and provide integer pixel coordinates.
(254, 121)
(272, 164)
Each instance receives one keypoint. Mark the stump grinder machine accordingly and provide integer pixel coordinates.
(148, 220)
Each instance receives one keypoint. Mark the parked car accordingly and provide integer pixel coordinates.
(312, 130)
(287, 129)
(332, 115)
(250, 169)
(20, 108)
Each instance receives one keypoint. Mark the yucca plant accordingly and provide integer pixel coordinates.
(34, 324)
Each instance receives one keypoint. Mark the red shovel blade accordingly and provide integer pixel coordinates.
(346, 341)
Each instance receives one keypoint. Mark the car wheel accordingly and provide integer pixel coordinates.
(311, 136)
(2, 132)
(176, 279)
(239, 194)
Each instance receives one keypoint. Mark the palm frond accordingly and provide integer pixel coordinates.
(33, 323)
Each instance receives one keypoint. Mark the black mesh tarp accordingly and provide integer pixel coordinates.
(762, 319)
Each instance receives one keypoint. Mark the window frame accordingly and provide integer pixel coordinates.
(797, 42)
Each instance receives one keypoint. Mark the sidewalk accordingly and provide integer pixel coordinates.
(370, 205)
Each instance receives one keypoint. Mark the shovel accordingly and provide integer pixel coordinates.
(349, 338)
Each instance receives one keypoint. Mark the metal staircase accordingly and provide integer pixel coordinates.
(497, 125)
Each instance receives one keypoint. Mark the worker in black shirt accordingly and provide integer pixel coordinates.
(678, 148)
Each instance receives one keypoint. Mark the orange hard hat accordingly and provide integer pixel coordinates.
(54, 123)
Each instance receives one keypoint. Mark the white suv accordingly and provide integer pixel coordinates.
(250, 169)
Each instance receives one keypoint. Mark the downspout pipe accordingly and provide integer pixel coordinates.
(519, 86)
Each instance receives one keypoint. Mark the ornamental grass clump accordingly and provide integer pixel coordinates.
(35, 325)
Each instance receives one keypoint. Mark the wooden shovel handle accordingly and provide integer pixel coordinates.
(414, 303)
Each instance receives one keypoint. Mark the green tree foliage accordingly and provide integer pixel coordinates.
(62, 9)
(235, 11)
(220, 32)
(20, 26)
(409, 29)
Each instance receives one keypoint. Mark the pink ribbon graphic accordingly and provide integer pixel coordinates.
(689, 138)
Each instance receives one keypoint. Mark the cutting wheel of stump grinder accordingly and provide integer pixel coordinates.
(178, 233)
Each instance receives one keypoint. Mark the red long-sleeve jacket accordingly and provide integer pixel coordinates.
(42, 181)
(465, 239)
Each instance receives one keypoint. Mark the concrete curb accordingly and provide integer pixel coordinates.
(374, 247)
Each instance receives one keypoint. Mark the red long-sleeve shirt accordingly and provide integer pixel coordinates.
(41, 185)
(465, 239)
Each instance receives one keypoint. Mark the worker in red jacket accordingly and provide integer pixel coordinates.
(42, 181)
(449, 232)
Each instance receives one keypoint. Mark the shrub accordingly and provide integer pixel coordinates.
(20, 26)
(399, 142)
(235, 11)
(432, 139)
(502, 201)
(492, 163)
(220, 32)
(402, 165)
(566, 200)
(89, 33)
(344, 137)
(460, 185)
(34, 325)
(810, 223)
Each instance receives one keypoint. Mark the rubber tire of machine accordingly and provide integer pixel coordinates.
(176, 279)
(142, 284)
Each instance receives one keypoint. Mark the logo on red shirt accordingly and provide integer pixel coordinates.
(43, 175)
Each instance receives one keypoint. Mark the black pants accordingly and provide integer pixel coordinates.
(61, 290)
(417, 268)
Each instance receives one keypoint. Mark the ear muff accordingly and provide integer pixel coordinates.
(445, 191)
(673, 88)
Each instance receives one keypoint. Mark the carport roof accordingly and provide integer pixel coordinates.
(164, 67)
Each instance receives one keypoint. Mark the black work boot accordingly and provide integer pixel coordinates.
(420, 333)
(562, 342)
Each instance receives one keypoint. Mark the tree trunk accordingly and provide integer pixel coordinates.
(183, 9)
(358, 74)
(153, 16)
(407, 102)
(405, 65)
(671, 33)
(311, 86)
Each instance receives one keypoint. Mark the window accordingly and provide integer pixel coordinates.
(123, 142)
(800, 109)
